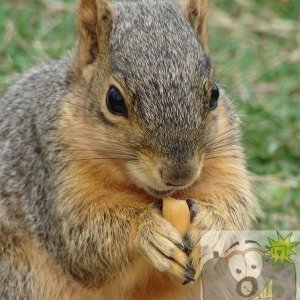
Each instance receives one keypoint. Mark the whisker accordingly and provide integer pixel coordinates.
(219, 138)
(222, 156)
(77, 105)
(98, 158)
(221, 74)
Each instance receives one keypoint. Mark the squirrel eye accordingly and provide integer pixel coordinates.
(214, 97)
(239, 271)
(115, 102)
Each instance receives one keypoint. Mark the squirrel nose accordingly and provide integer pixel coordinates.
(178, 177)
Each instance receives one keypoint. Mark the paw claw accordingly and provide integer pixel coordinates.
(187, 245)
(188, 279)
(182, 246)
(190, 268)
(163, 245)
(158, 205)
(192, 207)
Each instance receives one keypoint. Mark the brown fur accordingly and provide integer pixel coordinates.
(108, 229)
(92, 186)
(214, 189)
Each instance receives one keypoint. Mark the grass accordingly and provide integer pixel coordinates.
(256, 52)
(258, 48)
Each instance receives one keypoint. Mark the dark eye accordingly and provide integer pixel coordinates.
(253, 266)
(239, 271)
(214, 97)
(115, 102)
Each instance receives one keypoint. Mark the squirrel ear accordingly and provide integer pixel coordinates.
(197, 13)
(94, 18)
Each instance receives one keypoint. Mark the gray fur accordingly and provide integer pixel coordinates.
(156, 53)
(159, 58)
(29, 144)
(30, 158)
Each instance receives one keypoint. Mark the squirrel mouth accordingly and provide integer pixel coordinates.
(157, 193)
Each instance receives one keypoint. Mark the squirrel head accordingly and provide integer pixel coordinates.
(148, 84)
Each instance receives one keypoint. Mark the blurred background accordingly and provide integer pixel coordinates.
(255, 47)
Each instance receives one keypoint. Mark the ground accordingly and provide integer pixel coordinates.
(255, 48)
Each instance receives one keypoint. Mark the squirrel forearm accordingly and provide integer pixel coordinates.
(97, 243)
(230, 209)
(219, 216)
(224, 193)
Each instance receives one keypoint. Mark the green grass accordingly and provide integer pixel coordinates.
(258, 48)
(256, 52)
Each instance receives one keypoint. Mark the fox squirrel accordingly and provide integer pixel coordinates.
(90, 142)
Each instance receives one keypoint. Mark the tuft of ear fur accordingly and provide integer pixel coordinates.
(197, 12)
(95, 19)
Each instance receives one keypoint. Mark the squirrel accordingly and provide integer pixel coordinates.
(90, 142)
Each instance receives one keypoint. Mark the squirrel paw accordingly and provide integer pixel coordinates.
(163, 246)
(204, 236)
